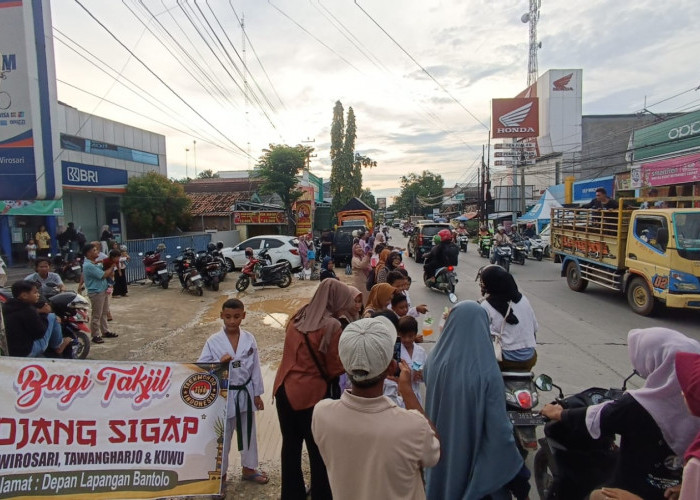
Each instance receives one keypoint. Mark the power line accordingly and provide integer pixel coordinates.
(160, 79)
(421, 67)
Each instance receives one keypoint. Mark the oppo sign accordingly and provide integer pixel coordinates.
(684, 130)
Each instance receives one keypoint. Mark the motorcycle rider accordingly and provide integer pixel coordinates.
(438, 256)
(248, 252)
(44, 276)
(501, 238)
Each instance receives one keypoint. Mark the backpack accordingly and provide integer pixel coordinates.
(371, 279)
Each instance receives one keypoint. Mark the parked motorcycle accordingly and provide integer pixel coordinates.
(157, 268)
(445, 282)
(215, 250)
(261, 272)
(68, 265)
(190, 279)
(209, 268)
(485, 244)
(569, 466)
(501, 255)
(521, 398)
(72, 309)
(463, 241)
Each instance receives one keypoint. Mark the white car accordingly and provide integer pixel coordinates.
(545, 237)
(280, 248)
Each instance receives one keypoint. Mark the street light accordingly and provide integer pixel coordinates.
(187, 173)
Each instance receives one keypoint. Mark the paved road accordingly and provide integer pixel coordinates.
(582, 337)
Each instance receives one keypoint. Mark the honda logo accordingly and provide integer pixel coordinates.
(75, 174)
(561, 84)
(515, 118)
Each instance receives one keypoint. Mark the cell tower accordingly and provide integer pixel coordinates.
(532, 16)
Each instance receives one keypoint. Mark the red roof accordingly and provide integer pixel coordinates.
(215, 204)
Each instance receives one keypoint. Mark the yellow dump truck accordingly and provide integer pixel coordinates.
(650, 255)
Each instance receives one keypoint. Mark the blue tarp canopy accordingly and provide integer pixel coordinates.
(542, 210)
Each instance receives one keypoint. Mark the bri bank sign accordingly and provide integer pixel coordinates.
(80, 176)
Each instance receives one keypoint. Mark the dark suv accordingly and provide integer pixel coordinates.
(342, 243)
(421, 240)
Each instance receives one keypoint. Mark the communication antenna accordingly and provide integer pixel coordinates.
(245, 88)
(532, 16)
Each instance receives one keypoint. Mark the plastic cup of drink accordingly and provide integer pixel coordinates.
(427, 328)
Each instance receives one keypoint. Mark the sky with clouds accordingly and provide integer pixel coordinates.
(369, 54)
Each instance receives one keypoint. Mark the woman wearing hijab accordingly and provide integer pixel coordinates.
(503, 300)
(379, 299)
(360, 267)
(327, 269)
(393, 262)
(653, 423)
(381, 263)
(303, 254)
(312, 335)
(464, 399)
(688, 372)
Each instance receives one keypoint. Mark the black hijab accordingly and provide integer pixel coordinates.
(499, 288)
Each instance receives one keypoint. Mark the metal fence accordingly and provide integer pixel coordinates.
(135, 270)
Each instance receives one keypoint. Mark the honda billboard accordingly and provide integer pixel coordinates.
(515, 118)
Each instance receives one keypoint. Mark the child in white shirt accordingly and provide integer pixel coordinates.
(238, 348)
(413, 354)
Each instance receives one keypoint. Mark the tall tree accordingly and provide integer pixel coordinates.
(359, 162)
(279, 167)
(339, 176)
(419, 194)
(155, 205)
(369, 199)
(353, 185)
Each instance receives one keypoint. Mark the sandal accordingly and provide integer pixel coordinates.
(110, 335)
(258, 477)
(98, 340)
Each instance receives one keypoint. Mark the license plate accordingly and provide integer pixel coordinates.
(196, 278)
(162, 271)
(75, 268)
(520, 419)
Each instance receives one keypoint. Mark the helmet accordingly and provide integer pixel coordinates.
(219, 245)
(500, 228)
(248, 252)
(123, 248)
(160, 247)
(437, 239)
(445, 235)
(211, 247)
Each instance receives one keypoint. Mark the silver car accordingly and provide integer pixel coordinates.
(280, 249)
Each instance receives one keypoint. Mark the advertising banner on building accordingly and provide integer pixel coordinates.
(516, 117)
(94, 178)
(672, 171)
(304, 217)
(28, 136)
(263, 217)
(584, 191)
(108, 429)
(670, 136)
(31, 207)
(381, 203)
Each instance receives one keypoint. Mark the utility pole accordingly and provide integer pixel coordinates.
(187, 154)
(245, 87)
(194, 152)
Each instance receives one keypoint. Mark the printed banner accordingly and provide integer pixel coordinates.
(304, 217)
(585, 190)
(672, 171)
(259, 217)
(31, 207)
(108, 429)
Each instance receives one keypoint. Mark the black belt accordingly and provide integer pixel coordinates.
(239, 426)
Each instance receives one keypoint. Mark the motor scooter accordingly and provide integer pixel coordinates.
(536, 248)
(501, 255)
(485, 244)
(209, 268)
(190, 279)
(260, 272)
(217, 255)
(445, 282)
(521, 398)
(156, 268)
(571, 466)
(68, 264)
(463, 241)
(520, 250)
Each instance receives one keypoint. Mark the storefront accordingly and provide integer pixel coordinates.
(20, 222)
(256, 220)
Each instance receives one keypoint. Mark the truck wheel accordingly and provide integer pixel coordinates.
(639, 297)
(574, 279)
